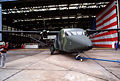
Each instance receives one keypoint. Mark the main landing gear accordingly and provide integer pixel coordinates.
(52, 49)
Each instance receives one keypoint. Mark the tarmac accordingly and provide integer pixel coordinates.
(39, 65)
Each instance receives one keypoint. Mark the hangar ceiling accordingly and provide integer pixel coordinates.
(51, 14)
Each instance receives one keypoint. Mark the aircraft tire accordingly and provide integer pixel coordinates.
(78, 58)
(52, 49)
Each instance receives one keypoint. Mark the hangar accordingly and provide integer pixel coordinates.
(54, 15)
(51, 15)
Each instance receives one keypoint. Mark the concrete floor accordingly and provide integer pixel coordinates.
(39, 65)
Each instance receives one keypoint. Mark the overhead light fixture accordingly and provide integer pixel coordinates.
(25, 14)
(7, 0)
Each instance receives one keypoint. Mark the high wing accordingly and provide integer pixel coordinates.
(54, 32)
(43, 33)
(88, 30)
(20, 31)
(33, 32)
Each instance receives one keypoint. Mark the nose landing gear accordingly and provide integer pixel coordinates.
(78, 57)
(52, 49)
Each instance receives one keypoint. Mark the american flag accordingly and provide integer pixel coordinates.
(106, 19)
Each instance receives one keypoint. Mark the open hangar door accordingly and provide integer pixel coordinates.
(50, 15)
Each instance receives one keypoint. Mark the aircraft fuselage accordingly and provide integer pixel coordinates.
(72, 40)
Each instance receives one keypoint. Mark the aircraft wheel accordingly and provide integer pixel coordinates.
(52, 49)
(77, 57)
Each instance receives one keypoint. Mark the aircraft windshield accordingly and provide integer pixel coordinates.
(69, 33)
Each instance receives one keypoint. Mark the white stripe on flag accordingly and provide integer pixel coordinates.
(107, 43)
(110, 6)
(105, 37)
(107, 23)
(106, 17)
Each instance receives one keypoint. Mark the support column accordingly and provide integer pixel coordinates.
(118, 19)
(0, 21)
(118, 12)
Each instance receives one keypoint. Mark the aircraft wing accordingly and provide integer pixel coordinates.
(102, 30)
(43, 33)
(20, 31)
(53, 32)
(49, 32)
(89, 32)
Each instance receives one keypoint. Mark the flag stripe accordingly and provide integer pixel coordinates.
(108, 39)
(109, 15)
(108, 7)
(105, 33)
(105, 21)
(103, 45)
(105, 36)
(107, 42)
(110, 25)
(113, 8)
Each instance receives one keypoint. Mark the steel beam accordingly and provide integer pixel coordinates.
(0, 21)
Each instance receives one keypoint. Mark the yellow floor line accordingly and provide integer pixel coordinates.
(31, 49)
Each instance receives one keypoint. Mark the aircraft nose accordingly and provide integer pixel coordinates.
(81, 42)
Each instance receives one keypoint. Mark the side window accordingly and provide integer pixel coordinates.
(67, 33)
(79, 33)
(74, 33)
(83, 33)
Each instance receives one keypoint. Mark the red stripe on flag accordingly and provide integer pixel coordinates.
(106, 33)
(108, 39)
(110, 25)
(108, 19)
(103, 45)
(114, 7)
(105, 8)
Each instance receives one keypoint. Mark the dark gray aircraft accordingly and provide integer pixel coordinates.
(71, 40)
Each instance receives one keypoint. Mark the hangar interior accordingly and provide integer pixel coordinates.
(40, 64)
(52, 15)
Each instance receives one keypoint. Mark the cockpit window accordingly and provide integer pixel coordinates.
(80, 33)
(74, 32)
(69, 33)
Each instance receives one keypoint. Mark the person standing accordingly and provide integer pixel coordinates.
(3, 50)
